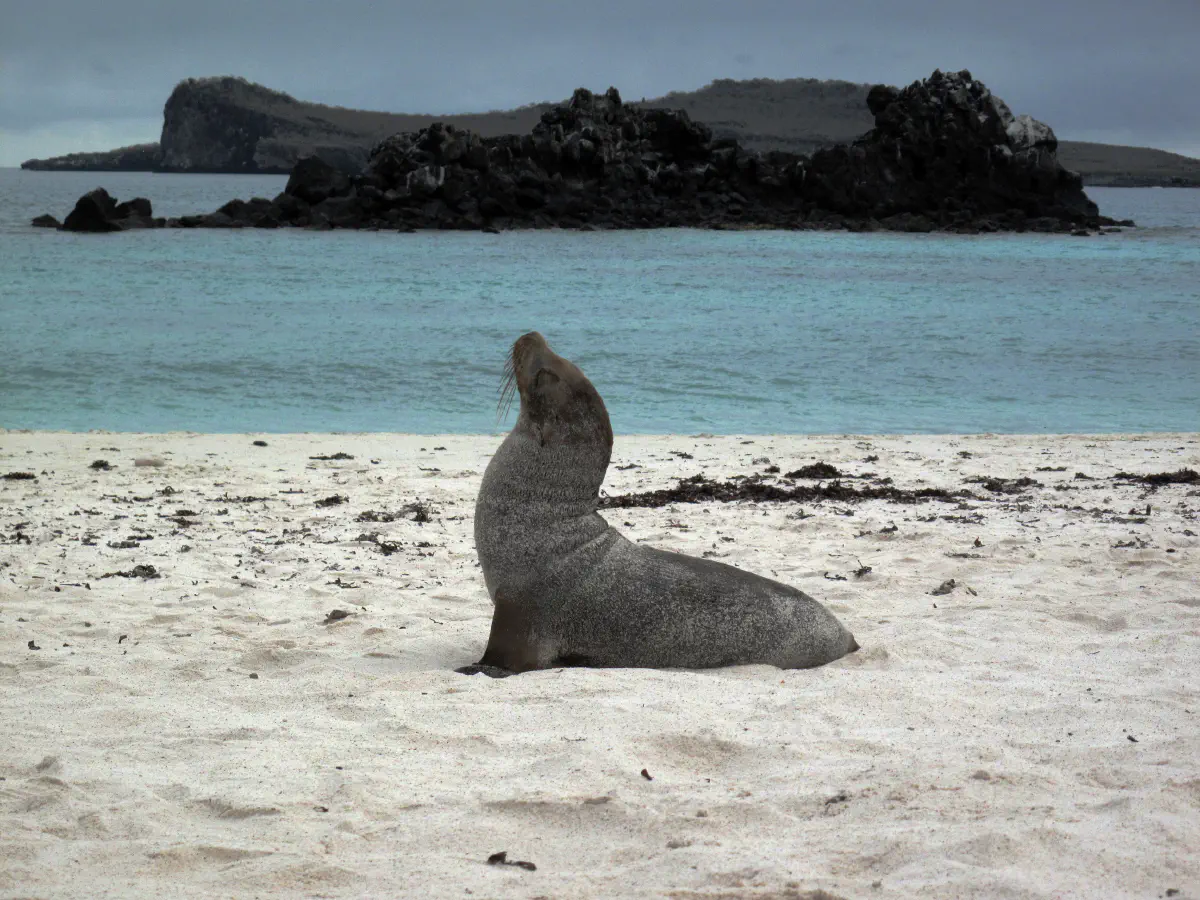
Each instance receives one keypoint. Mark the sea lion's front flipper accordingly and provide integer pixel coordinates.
(512, 646)
(489, 671)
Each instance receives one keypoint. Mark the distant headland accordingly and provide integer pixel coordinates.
(231, 125)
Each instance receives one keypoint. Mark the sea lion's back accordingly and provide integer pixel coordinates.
(666, 609)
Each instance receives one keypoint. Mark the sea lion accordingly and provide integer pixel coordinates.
(570, 590)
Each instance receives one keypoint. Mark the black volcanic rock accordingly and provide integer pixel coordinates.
(948, 149)
(137, 207)
(45, 221)
(93, 212)
(98, 212)
(945, 154)
(880, 97)
(313, 180)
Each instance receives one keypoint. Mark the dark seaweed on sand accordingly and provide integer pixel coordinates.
(699, 488)
(501, 859)
(1004, 485)
(140, 571)
(387, 548)
(817, 470)
(417, 511)
(1183, 476)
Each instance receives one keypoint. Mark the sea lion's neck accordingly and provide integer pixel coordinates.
(537, 510)
(561, 479)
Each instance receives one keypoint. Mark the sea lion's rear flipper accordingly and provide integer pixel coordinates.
(511, 647)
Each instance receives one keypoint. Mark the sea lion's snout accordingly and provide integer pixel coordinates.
(541, 375)
(531, 355)
(517, 369)
(556, 397)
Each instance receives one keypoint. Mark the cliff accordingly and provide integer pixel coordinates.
(228, 124)
(233, 125)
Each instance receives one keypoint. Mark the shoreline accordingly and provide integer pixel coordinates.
(212, 730)
(633, 435)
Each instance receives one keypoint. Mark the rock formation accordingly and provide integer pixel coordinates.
(944, 154)
(947, 152)
(98, 212)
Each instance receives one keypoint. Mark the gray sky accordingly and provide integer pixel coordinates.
(94, 74)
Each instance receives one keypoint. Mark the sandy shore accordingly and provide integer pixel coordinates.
(1032, 732)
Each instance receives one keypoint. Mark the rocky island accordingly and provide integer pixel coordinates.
(231, 125)
(944, 154)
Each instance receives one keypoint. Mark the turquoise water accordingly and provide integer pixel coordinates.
(681, 331)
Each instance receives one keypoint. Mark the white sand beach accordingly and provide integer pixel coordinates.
(1031, 732)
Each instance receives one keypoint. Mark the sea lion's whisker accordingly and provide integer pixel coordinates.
(508, 388)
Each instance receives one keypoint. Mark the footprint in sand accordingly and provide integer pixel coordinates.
(1111, 624)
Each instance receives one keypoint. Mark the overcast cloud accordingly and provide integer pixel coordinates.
(94, 74)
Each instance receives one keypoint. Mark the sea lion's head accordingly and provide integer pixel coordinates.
(559, 405)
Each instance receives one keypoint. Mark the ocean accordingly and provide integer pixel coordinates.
(681, 330)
